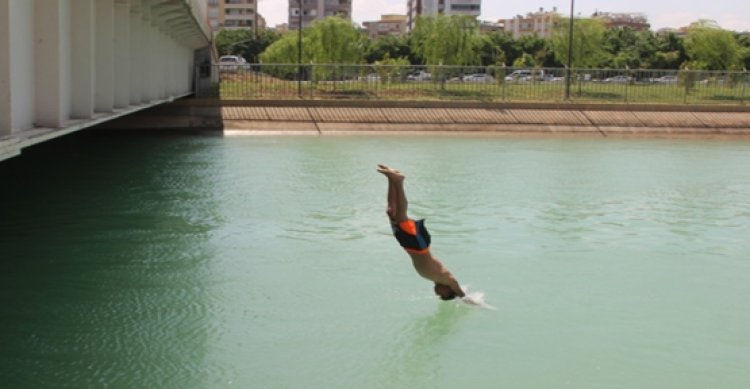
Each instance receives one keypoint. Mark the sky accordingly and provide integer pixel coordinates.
(730, 14)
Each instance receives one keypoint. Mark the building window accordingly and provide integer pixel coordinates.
(465, 7)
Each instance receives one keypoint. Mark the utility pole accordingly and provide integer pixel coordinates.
(299, 51)
(255, 16)
(570, 53)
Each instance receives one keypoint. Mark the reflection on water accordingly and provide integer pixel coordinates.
(105, 272)
(418, 350)
(199, 261)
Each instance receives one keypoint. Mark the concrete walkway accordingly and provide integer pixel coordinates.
(325, 120)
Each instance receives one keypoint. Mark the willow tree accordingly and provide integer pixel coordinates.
(334, 42)
(712, 49)
(281, 56)
(446, 40)
(588, 39)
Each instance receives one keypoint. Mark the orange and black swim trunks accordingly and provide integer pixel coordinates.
(412, 235)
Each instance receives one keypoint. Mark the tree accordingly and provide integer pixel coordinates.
(712, 49)
(285, 50)
(283, 54)
(389, 46)
(524, 61)
(743, 40)
(588, 36)
(498, 47)
(245, 43)
(446, 40)
(670, 52)
(626, 47)
(392, 69)
(334, 40)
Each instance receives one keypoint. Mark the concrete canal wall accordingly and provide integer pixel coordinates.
(352, 117)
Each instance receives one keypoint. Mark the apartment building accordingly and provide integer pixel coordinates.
(234, 14)
(635, 21)
(539, 23)
(312, 10)
(416, 8)
(387, 25)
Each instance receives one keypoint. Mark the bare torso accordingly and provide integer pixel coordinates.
(432, 269)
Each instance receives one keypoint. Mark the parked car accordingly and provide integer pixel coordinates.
(231, 63)
(621, 79)
(551, 78)
(419, 76)
(479, 78)
(669, 79)
(519, 75)
(370, 77)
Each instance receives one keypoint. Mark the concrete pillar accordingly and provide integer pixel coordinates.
(52, 67)
(153, 62)
(83, 57)
(163, 69)
(5, 101)
(147, 77)
(144, 53)
(105, 55)
(173, 64)
(122, 51)
(20, 72)
(136, 55)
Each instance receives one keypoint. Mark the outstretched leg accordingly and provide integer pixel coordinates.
(397, 203)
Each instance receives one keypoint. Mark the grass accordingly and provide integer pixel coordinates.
(253, 87)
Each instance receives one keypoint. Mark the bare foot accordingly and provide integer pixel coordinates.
(391, 173)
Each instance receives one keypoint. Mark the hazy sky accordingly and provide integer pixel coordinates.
(730, 14)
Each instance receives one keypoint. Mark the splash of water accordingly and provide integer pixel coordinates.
(476, 299)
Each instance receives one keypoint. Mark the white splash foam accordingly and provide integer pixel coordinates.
(476, 299)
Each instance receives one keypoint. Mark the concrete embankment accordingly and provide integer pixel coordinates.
(351, 117)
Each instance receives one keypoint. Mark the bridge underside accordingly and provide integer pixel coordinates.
(70, 64)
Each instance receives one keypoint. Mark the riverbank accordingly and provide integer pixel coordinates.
(318, 117)
(358, 117)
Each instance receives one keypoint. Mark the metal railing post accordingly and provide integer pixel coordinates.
(196, 79)
(627, 82)
(310, 81)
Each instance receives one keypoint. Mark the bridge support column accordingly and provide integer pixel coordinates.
(16, 70)
(122, 51)
(164, 44)
(105, 55)
(5, 105)
(136, 52)
(83, 57)
(52, 62)
(152, 58)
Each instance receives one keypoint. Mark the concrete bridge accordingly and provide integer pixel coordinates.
(66, 65)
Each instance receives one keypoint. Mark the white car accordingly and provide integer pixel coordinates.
(370, 77)
(519, 75)
(419, 76)
(231, 63)
(670, 79)
(479, 78)
(619, 79)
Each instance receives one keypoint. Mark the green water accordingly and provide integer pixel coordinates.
(199, 261)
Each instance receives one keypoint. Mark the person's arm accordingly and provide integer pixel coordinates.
(453, 284)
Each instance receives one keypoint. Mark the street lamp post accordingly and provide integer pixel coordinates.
(299, 51)
(570, 53)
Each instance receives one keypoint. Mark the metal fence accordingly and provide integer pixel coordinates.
(491, 84)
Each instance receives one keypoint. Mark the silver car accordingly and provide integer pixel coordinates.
(231, 63)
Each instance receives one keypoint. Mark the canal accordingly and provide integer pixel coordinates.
(201, 261)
